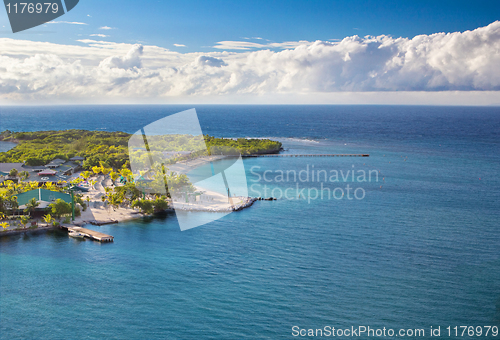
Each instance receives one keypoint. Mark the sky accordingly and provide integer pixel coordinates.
(337, 52)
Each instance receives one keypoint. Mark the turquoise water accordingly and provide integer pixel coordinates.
(421, 251)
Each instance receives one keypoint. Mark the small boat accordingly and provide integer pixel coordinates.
(76, 234)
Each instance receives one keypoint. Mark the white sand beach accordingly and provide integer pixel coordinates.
(209, 201)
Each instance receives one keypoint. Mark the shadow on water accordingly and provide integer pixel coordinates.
(56, 235)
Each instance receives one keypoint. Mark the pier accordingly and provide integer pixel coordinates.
(311, 155)
(94, 235)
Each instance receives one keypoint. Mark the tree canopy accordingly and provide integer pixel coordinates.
(111, 148)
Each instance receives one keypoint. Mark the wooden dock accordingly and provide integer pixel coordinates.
(311, 155)
(94, 235)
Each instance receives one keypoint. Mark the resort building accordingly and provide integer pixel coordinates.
(56, 171)
(43, 196)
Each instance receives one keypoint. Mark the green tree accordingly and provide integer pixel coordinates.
(114, 176)
(114, 199)
(160, 204)
(13, 173)
(31, 206)
(96, 170)
(129, 192)
(48, 218)
(50, 186)
(104, 170)
(3, 200)
(24, 175)
(145, 206)
(86, 174)
(10, 203)
(33, 185)
(60, 208)
(24, 220)
(127, 174)
(76, 181)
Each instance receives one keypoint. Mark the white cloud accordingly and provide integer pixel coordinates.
(106, 28)
(179, 45)
(245, 45)
(209, 61)
(66, 22)
(372, 67)
(131, 60)
(237, 45)
(99, 35)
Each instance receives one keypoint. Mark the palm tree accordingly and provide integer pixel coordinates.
(115, 200)
(13, 203)
(114, 176)
(33, 185)
(31, 206)
(11, 188)
(127, 174)
(48, 219)
(76, 181)
(50, 186)
(24, 220)
(86, 174)
(96, 170)
(4, 225)
(24, 175)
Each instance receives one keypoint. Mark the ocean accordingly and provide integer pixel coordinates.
(418, 246)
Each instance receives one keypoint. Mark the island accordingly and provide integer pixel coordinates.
(53, 178)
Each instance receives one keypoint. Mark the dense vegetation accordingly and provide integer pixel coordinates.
(41, 147)
(111, 148)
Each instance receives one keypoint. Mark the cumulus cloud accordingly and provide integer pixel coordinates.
(130, 60)
(460, 61)
(106, 28)
(209, 61)
(179, 45)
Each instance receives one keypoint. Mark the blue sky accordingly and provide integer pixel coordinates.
(199, 25)
(282, 52)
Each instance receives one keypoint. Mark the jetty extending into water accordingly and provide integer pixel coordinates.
(311, 155)
(94, 235)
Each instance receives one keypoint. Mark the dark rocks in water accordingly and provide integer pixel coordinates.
(99, 223)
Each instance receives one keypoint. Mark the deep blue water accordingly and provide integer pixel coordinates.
(421, 249)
